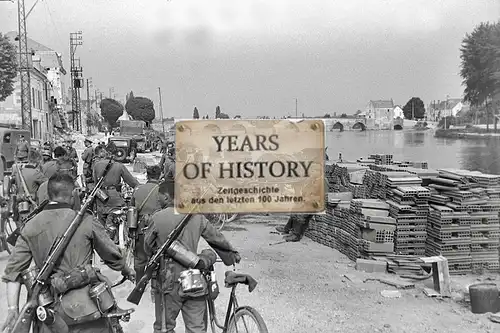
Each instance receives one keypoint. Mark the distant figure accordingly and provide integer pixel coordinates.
(340, 157)
(22, 149)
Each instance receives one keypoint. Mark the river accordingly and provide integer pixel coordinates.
(470, 154)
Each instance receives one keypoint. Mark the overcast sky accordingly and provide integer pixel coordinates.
(254, 57)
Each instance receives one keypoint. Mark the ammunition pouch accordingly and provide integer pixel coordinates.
(78, 277)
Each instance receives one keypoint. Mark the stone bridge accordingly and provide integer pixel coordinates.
(357, 124)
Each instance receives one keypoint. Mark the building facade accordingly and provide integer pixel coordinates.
(47, 92)
(437, 110)
(380, 114)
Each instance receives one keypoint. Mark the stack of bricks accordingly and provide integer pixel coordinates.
(371, 225)
(464, 221)
(356, 228)
(409, 205)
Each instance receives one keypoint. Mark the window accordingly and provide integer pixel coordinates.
(47, 121)
(6, 138)
(33, 97)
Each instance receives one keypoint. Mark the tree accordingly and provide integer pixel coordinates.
(343, 115)
(8, 67)
(327, 115)
(480, 67)
(130, 95)
(414, 109)
(217, 112)
(196, 114)
(111, 110)
(140, 108)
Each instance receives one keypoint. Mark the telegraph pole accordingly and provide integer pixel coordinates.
(75, 39)
(24, 69)
(296, 109)
(88, 107)
(161, 111)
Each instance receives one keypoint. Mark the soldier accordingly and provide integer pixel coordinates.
(64, 165)
(88, 157)
(35, 242)
(146, 200)
(111, 186)
(71, 151)
(22, 149)
(31, 175)
(297, 224)
(50, 167)
(167, 162)
(168, 292)
(46, 155)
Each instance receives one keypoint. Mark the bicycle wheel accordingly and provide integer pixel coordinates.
(246, 320)
(125, 244)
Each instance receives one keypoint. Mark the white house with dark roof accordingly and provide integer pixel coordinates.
(380, 113)
(440, 109)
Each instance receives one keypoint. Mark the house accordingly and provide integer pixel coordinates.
(440, 109)
(398, 112)
(47, 92)
(380, 113)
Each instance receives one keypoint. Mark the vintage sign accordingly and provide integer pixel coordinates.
(250, 166)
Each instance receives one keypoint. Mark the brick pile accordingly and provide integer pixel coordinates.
(464, 220)
(356, 228)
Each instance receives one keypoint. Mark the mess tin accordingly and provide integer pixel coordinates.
(191, 280)
(102, 296)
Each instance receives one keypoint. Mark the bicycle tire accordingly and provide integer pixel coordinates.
(255, 316)
(7, 233)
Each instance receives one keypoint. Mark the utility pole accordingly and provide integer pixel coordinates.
(75, 40)
(88, 106)
(296, 109)
(412, 109)
(24, 69)
(446, 111)
(161, 111)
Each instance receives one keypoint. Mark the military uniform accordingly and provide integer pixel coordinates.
(36, 240)
(145, 199)
(33, 178)
(194, 310)
(22, 150)
(87, 157)
(49, 168)
(167, 163)
(71, 151)
(111, 185)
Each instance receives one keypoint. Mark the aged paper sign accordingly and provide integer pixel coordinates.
(249, 166)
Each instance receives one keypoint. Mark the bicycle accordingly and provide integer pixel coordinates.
(234, 311)
(7, 227)
(122, 238)
(221, 219)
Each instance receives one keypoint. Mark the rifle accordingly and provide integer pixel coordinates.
(136, 294)
(25, 186)
(23, 322)
(12, 239)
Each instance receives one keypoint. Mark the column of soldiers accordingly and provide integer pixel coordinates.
(53, 179)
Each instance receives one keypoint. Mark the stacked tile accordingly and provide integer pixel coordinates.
(409, 205)
(371, 225)
(381, 158)
(448, 234)
(378, 184)
(465, 216)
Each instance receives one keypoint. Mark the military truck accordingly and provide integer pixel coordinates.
(135, 129)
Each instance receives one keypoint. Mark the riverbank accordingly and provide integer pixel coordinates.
(468, 133)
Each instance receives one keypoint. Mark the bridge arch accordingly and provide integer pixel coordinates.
(338, 125)
(359, 125)
(398, 127)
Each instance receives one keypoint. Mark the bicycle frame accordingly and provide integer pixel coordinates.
(231, 310)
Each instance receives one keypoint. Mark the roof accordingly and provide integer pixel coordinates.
(452, 102)
(382, 104)
(32, 45)
(51, 59)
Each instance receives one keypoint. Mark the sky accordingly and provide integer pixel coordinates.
(255, 57)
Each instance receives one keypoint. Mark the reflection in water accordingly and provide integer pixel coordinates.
(471, 154)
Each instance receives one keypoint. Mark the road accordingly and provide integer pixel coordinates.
(307, 287)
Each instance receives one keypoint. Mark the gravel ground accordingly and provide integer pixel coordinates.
(302, 288)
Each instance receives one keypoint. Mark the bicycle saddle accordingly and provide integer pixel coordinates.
(233, 278)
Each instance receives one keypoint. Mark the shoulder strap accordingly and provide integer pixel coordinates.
(147, 197)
